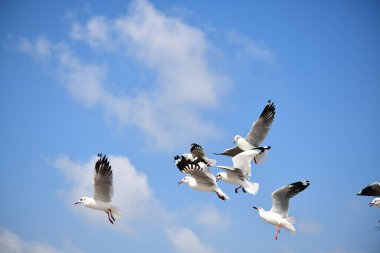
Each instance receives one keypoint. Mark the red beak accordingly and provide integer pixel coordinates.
(180, 182)
(76, 203)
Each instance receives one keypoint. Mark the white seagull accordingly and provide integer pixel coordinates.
(372, 190)
(240, 174)
(255, 136)
(197, 154)
(278, 215)
(199, 176)
(103, 190)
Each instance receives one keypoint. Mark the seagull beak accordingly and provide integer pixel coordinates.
(76, 203)
(180, 182)
(371, 204)
(255, 208)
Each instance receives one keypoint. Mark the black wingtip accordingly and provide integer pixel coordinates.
(194, 146)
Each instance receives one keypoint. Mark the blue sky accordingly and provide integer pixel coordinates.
(140, 81)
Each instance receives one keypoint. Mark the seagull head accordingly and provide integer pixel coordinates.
(82, 200)
(220, 176)
(375, 202)
(237, 137)
(258, 208)
(184, 180)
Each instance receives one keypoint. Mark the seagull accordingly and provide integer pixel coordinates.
(255, 136)
(103, 190)
(240, 174)
(197, 153)
(278, 215)
(199, 176)
(372, 190)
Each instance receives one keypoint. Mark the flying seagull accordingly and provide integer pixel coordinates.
(255, 136)
(103, 190)
(240, 173)
(372, 190)
(278, 215)
(197, 153)
(199, 176)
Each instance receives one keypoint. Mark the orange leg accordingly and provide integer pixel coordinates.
(277, 231)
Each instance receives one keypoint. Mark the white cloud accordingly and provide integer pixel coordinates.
(210, 218)
(309, 227)
(12, 243)
(132, 193)
(251, 48)
(339, 249)
(184, 86)
(185, 241)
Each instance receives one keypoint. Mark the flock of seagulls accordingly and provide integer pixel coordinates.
(247, 151)
(196, 165)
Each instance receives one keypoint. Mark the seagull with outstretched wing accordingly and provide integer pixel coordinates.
(278, 214)
(103, 190)
(240, 173)
(372, 190)
(255, 136)
(199, 176)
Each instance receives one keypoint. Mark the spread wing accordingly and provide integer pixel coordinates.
(201, 173)
(234, 172)
(243, 161)
(231, 152)
(103, 179)
(280, 197)
(197, 150)
(371, 190)
(261, 126)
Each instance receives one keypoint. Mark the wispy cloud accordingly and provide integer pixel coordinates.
(210, 218)
(174, 54)
(250, 48)
(142, 211)
(132, 193)
(185, 241)
(339, 249)
(309, 227)
(12, 243)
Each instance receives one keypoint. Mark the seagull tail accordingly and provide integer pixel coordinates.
(116, 211)
(289, 225)
(291, 220)
(252, 187)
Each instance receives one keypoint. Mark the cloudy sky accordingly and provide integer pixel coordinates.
(141, 80)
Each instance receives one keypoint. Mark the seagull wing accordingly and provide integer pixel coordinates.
(371, 190)
(233, 172)
(231, 152)
(261, 126)
(197, 150)
(103, 177)
(201, 174)
(280, 197)
(243, 161)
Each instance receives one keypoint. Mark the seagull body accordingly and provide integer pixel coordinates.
(103, 190)
(255, 136)
(372, 190)
(240, 173)
(199, 176)
(278, 214)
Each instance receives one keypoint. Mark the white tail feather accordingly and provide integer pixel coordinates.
(251, 187)
(116, 212)
(291, 220)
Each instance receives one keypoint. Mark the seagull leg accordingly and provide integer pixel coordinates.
(277, 231)
(244, 190)
(111, 214)
(236, 189)
(220, 196)
(109, 218)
